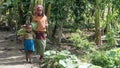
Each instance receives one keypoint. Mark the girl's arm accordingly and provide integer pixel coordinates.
(46, 22)
(22, 41)
(34, 19)
(33, 35)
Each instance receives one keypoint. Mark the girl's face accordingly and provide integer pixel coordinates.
(40, 11)
(29, 29)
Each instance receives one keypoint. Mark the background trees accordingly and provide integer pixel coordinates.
(98, 19)
(102, 15)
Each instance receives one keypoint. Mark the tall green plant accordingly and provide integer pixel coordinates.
(80, 41)
(110, 37)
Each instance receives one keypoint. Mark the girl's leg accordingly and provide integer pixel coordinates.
(40, 44)
(41, 57)
(30, 56)
(26, 54)
(43, 46)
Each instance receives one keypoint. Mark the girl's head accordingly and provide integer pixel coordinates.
(39, 10)
(28, 27)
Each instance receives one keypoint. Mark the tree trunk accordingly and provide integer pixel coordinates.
(60, 32)
(40, 2)
(54, 30)
(48, 11)
(107, 28)
(10, 18)
(21, 22)
(102, 17)
(49, 31)
(97, 25)
(32, 6)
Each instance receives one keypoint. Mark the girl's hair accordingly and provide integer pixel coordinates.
(37, 8)
(28, 26)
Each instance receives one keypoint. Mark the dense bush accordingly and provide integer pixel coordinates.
(80, 41)
(109, 59)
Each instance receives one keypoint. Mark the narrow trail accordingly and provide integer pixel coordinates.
(11, 57)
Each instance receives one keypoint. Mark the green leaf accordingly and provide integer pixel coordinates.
(21, 31)
(50, 54)
(112, 53)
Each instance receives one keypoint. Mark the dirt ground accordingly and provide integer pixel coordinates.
(11, 56)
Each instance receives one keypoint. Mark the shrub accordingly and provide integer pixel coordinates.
(80, 41)
(110, 37)
(64, 59)
(109, 59)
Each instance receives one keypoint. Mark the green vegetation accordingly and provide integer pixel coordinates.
(64, 59)
(92, 27)
(107, 59)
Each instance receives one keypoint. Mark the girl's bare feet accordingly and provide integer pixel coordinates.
(29, 61)
(41, 58)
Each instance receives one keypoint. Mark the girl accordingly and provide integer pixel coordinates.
(41, 19)
(28, 42)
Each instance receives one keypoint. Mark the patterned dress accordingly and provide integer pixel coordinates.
(40, 41)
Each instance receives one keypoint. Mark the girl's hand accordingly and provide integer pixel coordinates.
(46, 25)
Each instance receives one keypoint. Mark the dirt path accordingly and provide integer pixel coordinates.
(11, 57)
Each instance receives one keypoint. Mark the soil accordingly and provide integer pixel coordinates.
(11, 56)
